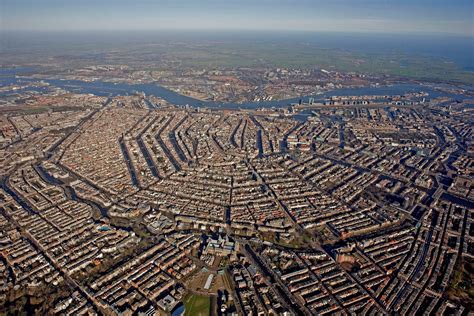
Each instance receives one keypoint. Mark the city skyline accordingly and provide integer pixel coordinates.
(236, 158)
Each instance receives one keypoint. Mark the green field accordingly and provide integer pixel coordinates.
(295, 51)
(197, 305)
(305, 56)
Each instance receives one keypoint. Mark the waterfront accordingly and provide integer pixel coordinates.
(110, 89)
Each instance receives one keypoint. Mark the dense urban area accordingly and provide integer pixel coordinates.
(130, 204)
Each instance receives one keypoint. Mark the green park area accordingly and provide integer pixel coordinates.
(197, 305)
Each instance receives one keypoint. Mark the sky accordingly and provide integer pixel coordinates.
(454, 17)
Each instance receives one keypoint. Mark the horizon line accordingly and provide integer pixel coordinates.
(453, 34)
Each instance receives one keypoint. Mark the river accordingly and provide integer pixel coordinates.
(103, 88)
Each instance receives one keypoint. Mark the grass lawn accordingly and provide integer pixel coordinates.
(461, 289)
(197, 305)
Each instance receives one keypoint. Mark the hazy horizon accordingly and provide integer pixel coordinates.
(364, 16)
(455, 48)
